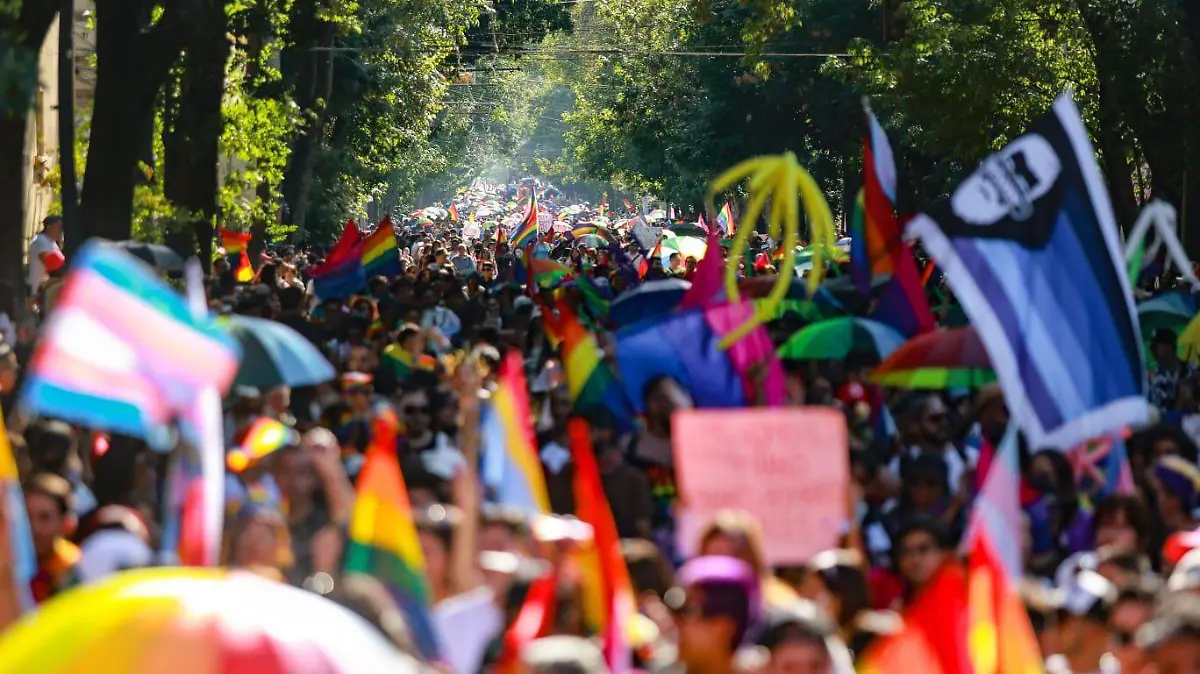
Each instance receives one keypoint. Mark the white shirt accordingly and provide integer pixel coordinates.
(39, 246)
(465, 624)
(955, 465)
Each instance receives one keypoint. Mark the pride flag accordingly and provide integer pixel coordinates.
(244, 272)
(590, 380)
(234, 242)
(383, 538)
(122, 351)
(454, 217)
(546, 273)
(877, 248)
(511, 467)
(341, 274)
(405, 364)
(933, 638)
(528, 229)
(608, 604)
(726, 221)
(20, 541)
(380, 253)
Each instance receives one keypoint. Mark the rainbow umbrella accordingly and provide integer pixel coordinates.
(195, 621)
(944, 359)
(686, 246)
(836, 338)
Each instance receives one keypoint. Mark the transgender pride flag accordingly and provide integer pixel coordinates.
(122, 351)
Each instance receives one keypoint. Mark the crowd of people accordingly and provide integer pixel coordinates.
(1112, 576)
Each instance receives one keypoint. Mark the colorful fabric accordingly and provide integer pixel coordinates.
(511, 467)
(383, 538)
(527, 231)
(234, 242)
(20, 540)
(454, 217)
(1030, 247)
(245, 271)
(341, 275)
(56, 574)
(547, 273)
(404, 364)
(590, 380)
(123, 351)
(380, 252)
(933, 637)
(608, 593)
(726, 222)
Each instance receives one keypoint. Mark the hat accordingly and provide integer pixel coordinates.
(1186, 576)
(730, 589)
(1180, 478)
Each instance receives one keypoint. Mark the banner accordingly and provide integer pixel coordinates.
(1030, 247)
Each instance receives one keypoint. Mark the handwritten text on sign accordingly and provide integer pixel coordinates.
(787, 467)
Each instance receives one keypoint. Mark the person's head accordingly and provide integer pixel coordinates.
(1163, 346)
(649, 571)
(1176, 484)
(992, 413)
(1171, 640)
(435, 531)
(1085, 606)
(416, 411)
(357, 388)
(259, 538)
(835, 582)
(1133, 608)
(674, 261)
(295, 475)
(53, 226)
(925, 480)
(920, 549)
(716, 606)
(734, 533)
(933, 421)
(9, 368)
(291, 300)
(1121, 523)
(663, 395)
(50, 507)
(411, 338)
(560, 405)
(797, 639)
(52, 446)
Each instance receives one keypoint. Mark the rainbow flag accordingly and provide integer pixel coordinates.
(20, 541)
(233, 242)
(584, 228)
(123, 351)
(405, 364)
(454, 217)
(933, 639)
(264, 437)
(527, 231)
(590, 380)
(383, 538)
(608, 605)
(341, 274)
(725, 220)
(380, 253)
(877, 248)
(244, 272)
(511, 467)
(547, 273)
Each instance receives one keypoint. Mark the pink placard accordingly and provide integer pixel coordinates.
(789, 467)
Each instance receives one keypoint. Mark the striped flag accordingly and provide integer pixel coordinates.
(383, 537)
(233, 242)
(511, 467)
(122, 351)
(528, 229)
(608, 593)
(1030, 246)
(726, 221)
(341, 274)
(590, 379)
(380, 252)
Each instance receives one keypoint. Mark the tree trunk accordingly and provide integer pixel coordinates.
(26, 32)
(314, 84)
(192, 145)
(132, 62)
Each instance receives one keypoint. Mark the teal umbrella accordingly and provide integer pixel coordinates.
(275, 355)
(836, 338)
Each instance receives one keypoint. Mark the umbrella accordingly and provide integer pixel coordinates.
(1172, 310)
(836, 338)
(686, 246)
(685, 229)
(274, 354)
(653, 298)
(944, 359)
(591, 241)
(658, 214)
(196, 621)
(155, 255)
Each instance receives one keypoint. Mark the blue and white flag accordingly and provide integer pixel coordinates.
(1030, 247)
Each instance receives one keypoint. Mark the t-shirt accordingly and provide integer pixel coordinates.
(42, 244)
(464, 626)
(463, 264)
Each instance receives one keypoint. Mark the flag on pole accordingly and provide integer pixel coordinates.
(234, 242)
(454, 213)
(726, 221)
(1030, 246)
(244, 272)
(528, 229)
(20, 540)
(380, 252)
(511, 467)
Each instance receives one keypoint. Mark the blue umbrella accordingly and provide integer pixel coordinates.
(654, 298)
(275, 355)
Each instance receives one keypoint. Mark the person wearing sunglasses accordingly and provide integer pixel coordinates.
(716, 605)
(927, 431)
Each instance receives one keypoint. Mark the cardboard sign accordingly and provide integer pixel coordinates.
(788, 467)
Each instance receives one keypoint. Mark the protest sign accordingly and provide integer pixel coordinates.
(786, 467)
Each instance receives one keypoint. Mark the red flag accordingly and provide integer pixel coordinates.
(245, 272)
(533, 621)
(933, 639)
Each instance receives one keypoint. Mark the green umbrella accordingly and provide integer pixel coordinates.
(274, 354)
(836, 338)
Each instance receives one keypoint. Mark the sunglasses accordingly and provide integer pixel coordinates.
(415, 409)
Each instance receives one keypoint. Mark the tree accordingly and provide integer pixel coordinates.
(23, 28)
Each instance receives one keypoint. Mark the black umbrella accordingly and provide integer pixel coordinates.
(158, 256)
